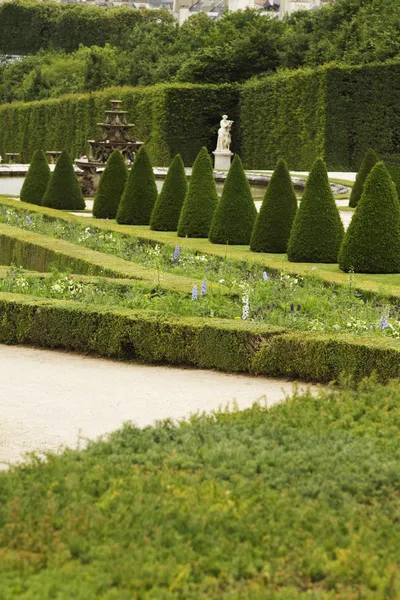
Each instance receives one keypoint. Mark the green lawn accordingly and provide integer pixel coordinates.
(299, 501)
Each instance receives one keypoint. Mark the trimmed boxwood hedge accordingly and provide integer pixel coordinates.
(63, 190)
(201, 199)
(235, 213)
(140, 193)
(274, 222)
(227, 345)
(169, 118)
(36, 180)
(369, 161)
(372, 240)
(111, 187)
(317, 230)
(168, 206)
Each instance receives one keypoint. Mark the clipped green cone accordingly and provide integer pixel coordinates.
(372, 240)
(36, 180)
(317, 230)
(140, 193)
(63, 190)
(168, 206)
(111, 187)
(274, 221)
(201, 199)
(235, 215)
(369, 161)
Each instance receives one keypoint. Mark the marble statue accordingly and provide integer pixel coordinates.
(224, 134)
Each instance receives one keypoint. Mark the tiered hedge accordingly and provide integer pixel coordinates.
(27, 27)
(171, 119)
(333, 112)
(225, 345)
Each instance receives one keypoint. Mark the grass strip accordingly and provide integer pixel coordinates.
(42, 253)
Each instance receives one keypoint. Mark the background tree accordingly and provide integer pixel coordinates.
(168, 206)
(111, 187)
(235, 214)
(63, 190)
(201, 199)
(317, 230)
(369, 161)
(36, 180)
(372, 240)
(274, 221)
(140, 193)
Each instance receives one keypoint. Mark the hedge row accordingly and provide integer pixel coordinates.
(171, 119)
(228, 346)
(41, 253)
(336, 113)
(27, 27)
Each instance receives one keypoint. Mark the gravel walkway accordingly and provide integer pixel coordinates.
(51, 399)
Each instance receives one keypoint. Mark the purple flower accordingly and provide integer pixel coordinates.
(194, 292)
(177, 252)
(265, 276)
(383, 323)
(28, 220)
(203, 288)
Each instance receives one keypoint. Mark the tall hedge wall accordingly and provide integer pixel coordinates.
(27, 27)
(171, 119)
(333, 112)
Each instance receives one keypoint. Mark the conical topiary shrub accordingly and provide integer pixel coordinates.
(168, 206)
(140, 192)
(372, 241)
(369, 161)
(317, 230)
(235, 215)
(201, 199)
(63, 190)
(111, 187)
(274, 221)
(36, 180)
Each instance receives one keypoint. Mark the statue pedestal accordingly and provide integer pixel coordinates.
(222, 160)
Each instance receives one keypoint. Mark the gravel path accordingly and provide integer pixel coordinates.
(50, 399)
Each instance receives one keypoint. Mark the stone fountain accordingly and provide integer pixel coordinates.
(116, 137)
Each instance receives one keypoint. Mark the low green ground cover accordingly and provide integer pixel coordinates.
(282, 300)
(297, 501)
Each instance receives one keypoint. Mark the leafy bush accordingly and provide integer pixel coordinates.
(295, 501)
(140, 192)
(274, 221)
(235, 214)
(36, 180)
(111, 187)
(317, 230)
(201, 199)
(168, 206)
(63, 190)
(372, 241)
(369, 161)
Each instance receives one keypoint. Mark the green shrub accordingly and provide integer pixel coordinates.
(140, 192)
(168, 206)
(372, 241)
(111, 187)
(201, 199)
(317, 230)
(369, 161)
(235, 214)
(36, 180)
(63, 190)
(274, 221)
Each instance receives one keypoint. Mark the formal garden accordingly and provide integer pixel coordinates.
(297, 501)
